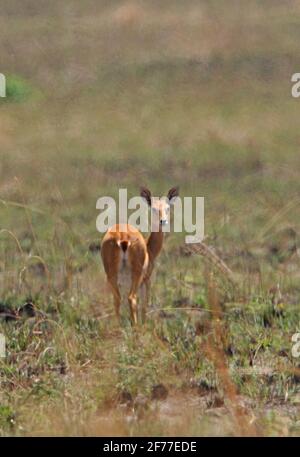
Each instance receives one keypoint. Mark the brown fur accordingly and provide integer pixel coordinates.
(126, 239)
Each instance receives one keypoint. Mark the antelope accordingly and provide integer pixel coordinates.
(124, 249)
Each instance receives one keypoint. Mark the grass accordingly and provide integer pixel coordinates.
(17, 90)
(131, 94)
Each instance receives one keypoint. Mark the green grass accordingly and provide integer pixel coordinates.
(17, 89)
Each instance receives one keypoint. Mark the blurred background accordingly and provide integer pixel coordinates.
(110, 94)
(118, 93)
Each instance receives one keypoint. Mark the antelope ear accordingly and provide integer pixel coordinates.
(146, 194)
(173, 194)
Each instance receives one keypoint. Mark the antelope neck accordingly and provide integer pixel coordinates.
(154, 244)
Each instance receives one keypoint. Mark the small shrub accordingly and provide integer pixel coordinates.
(17, 89)
(6, 417)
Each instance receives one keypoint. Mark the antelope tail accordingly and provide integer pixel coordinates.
(124, 244)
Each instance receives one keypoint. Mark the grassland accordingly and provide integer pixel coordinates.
(104, 95)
